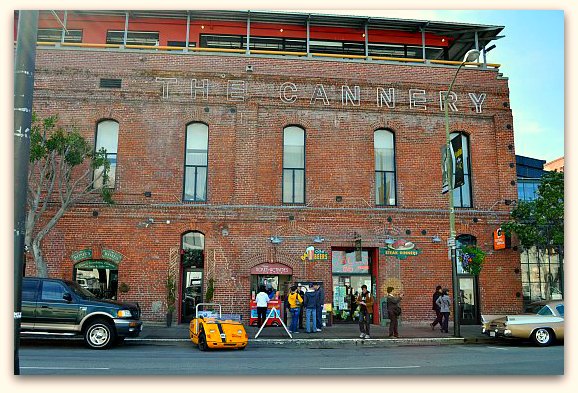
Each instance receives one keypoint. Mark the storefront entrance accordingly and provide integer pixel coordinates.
(468, 300)
(276, 279)
(349, 274)
(192, 293)
(98, 276)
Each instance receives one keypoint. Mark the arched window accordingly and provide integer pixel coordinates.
(293, 165)
(193, 244)
(463, 194)
(196, 160)
(107, 138)
(385, 185)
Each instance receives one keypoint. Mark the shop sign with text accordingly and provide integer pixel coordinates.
(313, 254)
(400, 249)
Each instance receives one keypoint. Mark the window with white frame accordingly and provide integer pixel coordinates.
(293, 165)
(463, 194)
(107, 139)
(385, 184)
(196, 161)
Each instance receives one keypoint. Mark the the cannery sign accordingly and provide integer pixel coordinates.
(386, 97)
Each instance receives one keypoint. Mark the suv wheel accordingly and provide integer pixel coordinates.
(543, 337)
(99, 334)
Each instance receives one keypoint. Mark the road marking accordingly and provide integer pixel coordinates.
(69, 368)
(363, 368)
(503, 349)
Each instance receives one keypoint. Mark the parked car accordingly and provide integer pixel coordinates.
(56, 306)
(212, 329)
(544, 327)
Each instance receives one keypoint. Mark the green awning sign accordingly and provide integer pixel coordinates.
(80, 255)
(399, 254)
(96, 264)
(111, 255)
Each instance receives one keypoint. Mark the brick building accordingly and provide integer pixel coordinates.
(239, 140)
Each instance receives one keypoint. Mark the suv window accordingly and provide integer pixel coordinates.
(52, 291)
(29, 288)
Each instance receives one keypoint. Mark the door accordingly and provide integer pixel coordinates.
(192, 293)
(53, 311)
(469, 309)
(29, 295)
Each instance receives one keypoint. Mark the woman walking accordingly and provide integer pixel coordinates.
(444, 303)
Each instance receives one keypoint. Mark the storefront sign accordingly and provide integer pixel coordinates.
(499, 239)
(401, 249)
(111, 255)
(94, 264)
(272, 268)
(81, 255)
(313, 254)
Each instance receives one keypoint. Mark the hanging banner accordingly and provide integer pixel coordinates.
(458, 161)
(499, 239)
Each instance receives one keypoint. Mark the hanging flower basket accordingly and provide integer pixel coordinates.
(472, 259)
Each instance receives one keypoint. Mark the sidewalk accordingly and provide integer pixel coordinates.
(335, 336)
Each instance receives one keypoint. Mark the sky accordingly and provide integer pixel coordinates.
(531, 56)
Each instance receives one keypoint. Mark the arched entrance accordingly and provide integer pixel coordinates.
(97, 271)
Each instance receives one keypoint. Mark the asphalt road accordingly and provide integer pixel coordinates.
(72, 358)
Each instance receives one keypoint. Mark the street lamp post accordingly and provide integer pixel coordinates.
(471, 56)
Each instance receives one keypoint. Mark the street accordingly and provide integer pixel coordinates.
(182, 358)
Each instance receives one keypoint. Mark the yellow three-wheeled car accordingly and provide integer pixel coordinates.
(210, 330)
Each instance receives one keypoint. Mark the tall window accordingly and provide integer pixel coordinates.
(463, 194)
(385, 187)
(196, 162)
(107, 138)
(293, 165)
(462, 241)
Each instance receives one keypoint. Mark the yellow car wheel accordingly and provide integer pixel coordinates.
(203, 341)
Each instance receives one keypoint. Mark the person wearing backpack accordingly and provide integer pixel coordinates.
(393, 310)
(295, 300)
(444, 302)
(365, 302)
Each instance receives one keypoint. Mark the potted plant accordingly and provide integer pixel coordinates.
(210, 291)
(171, 299)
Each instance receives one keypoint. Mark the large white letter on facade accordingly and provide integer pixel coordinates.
(236, 90)
(417, 99)
(387, 98)
(452, 99)
(204, 87)
(319, 94)
(478, 101)
(347, 95)
(166, 82)
(284, 87)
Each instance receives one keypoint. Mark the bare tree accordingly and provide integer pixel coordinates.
(58, 177)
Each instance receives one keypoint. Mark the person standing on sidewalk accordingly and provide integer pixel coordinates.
(295, 301)
(444, 303)
(262, 299)
(302, 291)
(365, 302)
(393, 310)
(436, 308)
(310, 310)
(320, 301)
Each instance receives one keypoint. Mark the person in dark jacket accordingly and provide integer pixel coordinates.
(444, 303)
(310, 310)
(436, 308)
(393, 310)
(301, 291)
(365, 302)
(320, 301)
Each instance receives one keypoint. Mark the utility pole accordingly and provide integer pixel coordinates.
(24, 65)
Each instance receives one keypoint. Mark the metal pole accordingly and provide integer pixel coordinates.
(24, 64)
(247, 49)
(452, 237)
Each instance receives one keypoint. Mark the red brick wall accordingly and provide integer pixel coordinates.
(245, 170)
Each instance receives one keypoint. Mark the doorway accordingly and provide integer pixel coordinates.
(192, 293)
(469, 309)
(97, 276)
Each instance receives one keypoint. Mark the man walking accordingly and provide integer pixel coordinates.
(436, 308)
(365, 301)
(320, 301)
(310, 310)
(393, 310)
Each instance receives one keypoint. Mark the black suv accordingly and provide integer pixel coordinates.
(64, 307)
